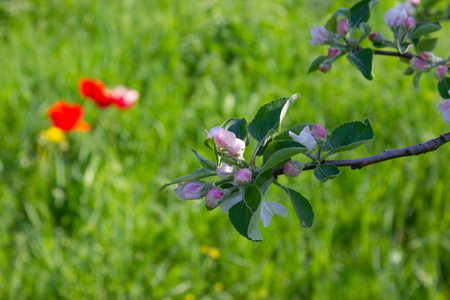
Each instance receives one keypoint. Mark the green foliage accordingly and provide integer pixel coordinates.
(424, 29)
(360, 12)
(350, 135)
(444, 87)
(268, 119)
(197, 174)
(427, 44)
(325, 172)
(363, 61)
(302, 207)
(205, 163)
(241, 215)
(316, 63)
(290, 148)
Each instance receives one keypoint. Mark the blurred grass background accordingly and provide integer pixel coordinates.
(89, 223)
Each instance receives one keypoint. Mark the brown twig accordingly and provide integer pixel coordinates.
(389, 53)
(359, 163)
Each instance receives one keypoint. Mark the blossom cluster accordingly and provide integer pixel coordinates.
(339, 31)
(236, 173)
(66, 117)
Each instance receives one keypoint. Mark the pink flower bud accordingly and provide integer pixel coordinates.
(224, 171)
(395, 17)
(333, 52)
(320, 36)
(440, 73)
(242, 176)
(191, 190)
(418, 65)
(214, 196)
(324, 68)
(292, 168)
(226, 141)
(426, 56)
(444, 107)
(319, 134)
(342, 27)
(375, 37)
(409, 23)
(414, 2)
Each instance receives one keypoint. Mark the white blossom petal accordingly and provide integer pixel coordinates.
(266, 214)
(277, 208)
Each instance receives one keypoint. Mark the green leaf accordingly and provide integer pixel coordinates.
(427, 44)
(443, 88)
(207, 164)
(325, 172)
(331, 24)
(425, 28)
(238, 127)
(360, 12)
(263, 177)
(279, 145)
(302, 207)
(363, 61)
(409, 71)
(316, 63)
(290, 149)
(241, 214)
(269, 117)
(350, 135)
(416, 82)
(365, 30)
(197, 174)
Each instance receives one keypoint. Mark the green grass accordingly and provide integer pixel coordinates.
(89, 223)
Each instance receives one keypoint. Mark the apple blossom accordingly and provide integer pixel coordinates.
(333, 52)
(293, 168)
(418, 65)
(319, 134)
(440, 73)
(320, 36)
(214, 196)
(342, 27)
(193, 189)
(242, 176)
(444, 107)
(227, 141)
(305, 138)
(224, 171)
(324, 67)
(268, 208)
(409, 23)
(395, 17)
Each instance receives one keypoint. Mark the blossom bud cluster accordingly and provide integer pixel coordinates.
(400, 23)
(321, 36)
(231, 149)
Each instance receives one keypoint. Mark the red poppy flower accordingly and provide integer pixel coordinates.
(120, 96)
(95, 90)
(67, 117)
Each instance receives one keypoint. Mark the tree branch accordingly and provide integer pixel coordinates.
(389, 53)
(359, 163)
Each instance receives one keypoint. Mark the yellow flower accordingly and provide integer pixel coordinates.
(218, 286)
(203, 249)
(53, 134)
(189, 297)
(214, 253)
